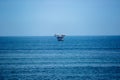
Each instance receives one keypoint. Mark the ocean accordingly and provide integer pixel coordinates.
(45, 58)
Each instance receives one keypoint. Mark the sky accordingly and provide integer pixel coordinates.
(69, 17)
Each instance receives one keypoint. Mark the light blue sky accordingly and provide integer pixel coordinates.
(70, 17)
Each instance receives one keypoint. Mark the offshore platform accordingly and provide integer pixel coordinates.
(60, 37)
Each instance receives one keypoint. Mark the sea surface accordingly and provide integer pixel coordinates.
(45, 58)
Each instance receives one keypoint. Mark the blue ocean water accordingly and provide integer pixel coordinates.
(75, 58)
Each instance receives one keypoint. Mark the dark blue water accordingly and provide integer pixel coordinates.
(44, 58)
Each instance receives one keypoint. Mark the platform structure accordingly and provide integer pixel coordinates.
(60, 37)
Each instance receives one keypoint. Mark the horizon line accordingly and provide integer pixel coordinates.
(49, 35)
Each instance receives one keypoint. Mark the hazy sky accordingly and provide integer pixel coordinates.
(70, 17)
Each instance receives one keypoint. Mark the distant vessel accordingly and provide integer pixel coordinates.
(60, 37)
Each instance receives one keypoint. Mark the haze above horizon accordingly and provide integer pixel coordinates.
(69, 17)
